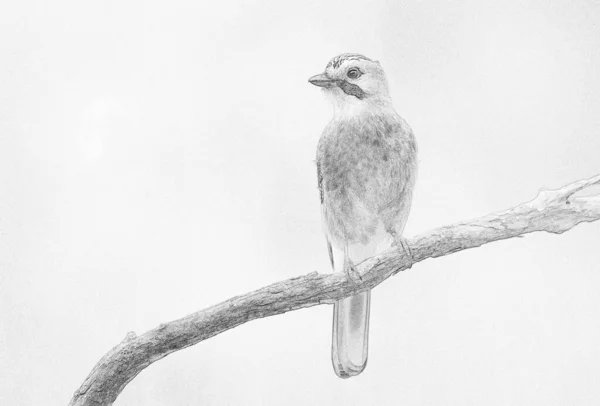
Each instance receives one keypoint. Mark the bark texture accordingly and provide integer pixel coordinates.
(554, 211)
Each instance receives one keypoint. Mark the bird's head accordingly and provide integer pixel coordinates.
(355, 83)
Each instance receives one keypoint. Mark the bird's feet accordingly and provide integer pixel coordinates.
(401, 242)
(351, 271)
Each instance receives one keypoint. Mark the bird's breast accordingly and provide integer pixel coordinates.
(366, 166)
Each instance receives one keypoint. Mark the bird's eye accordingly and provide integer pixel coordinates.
(354, 73)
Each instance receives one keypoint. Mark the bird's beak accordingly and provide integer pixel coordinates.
(322, 80)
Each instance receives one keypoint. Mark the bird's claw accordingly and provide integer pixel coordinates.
(351, 271)
(401, 242)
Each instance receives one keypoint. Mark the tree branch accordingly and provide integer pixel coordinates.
(554, 211)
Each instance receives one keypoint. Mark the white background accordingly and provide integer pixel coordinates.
(158, 157)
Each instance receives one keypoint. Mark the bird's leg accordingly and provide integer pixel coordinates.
(350, 268)
(400, 241)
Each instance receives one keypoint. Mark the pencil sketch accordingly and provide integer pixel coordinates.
(366, 165)
(228, 174)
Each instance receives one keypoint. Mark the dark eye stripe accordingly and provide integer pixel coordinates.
(352, 90)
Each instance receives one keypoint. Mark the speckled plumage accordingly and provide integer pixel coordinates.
(366, 169)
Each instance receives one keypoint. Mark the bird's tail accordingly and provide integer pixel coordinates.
(350, 347)
(350, 343)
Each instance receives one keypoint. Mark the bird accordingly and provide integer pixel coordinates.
(366, 170)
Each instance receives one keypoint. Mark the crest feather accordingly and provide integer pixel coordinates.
(337, 61)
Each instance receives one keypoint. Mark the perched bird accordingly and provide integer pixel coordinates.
(366, 168)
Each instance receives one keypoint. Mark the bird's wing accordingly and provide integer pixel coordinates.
(320, 182)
